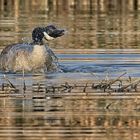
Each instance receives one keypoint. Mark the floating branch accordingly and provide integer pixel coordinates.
(8, 87)
(104, 87)
(38, 87)
(107, 85)
(67, 87)
(9, 82)
(133, 85)
(60, 88)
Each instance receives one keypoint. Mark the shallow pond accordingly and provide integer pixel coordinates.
(102, 41)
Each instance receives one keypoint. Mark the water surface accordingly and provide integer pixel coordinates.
(102, 41)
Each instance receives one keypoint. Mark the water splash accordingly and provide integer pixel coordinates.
(89, 68)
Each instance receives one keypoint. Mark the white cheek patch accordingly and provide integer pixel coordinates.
(47, 37)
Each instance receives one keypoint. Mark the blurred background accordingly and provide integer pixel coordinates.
(100, 24)
(103, 38)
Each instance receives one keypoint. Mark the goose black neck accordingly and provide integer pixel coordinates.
(37, 36)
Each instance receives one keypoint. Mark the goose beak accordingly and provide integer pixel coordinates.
(57, 33)
(54, 34)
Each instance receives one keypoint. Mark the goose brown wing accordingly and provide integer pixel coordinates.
(7, 48)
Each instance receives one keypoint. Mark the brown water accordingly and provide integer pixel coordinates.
(102, 38)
